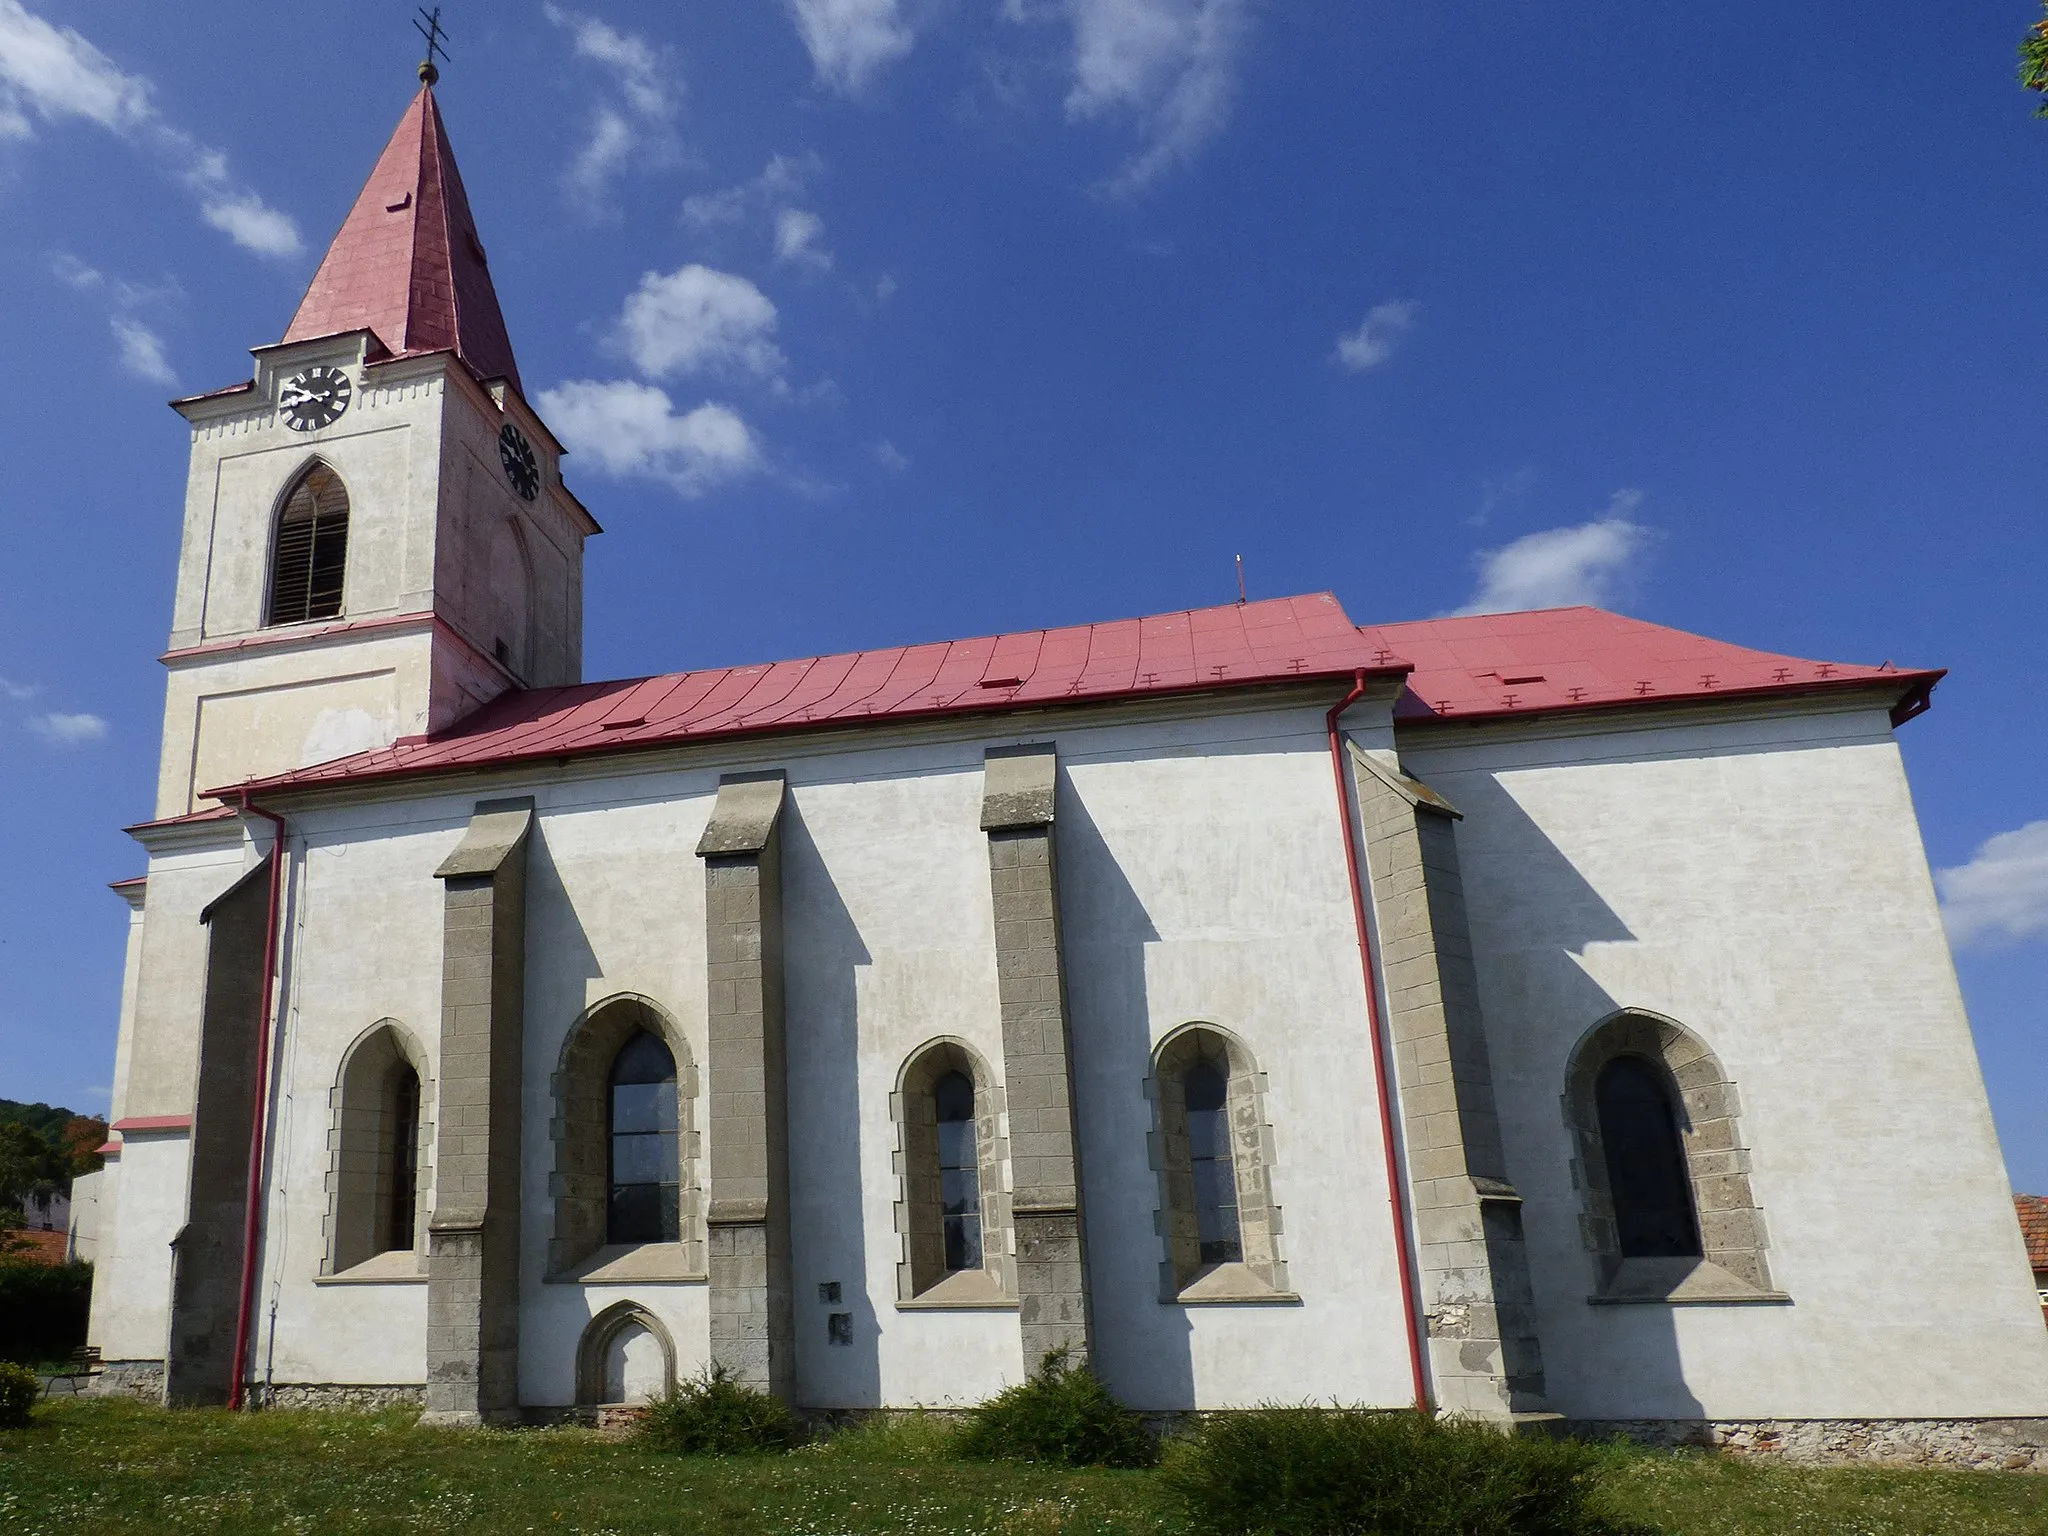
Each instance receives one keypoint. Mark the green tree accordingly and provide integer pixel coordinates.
(2034, 60)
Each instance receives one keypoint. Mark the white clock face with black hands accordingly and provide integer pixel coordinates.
(315, 398)
(516, 454)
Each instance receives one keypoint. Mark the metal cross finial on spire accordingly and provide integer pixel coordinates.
(431, 31)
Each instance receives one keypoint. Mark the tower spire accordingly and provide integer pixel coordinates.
(407, 264)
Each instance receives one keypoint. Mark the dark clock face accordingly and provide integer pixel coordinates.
(516, 454)
(315, 398)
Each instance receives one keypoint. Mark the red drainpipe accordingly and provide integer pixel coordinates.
(245, 1308)
(1397, 1188)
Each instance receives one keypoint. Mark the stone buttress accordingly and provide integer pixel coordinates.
(1018, 799)
(753, 1328)
(1484, 1353)
(208, 1252)
(473, 1233)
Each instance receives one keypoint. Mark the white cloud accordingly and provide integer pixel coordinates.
(889, 456)
(253, 224)
(1561, 567)
(636, 63)
(68, 730)
(799, 240)
(55, 75)
(1377, 335)
(13, 690)
(1170, 65)
(636, 124)
(697, 320)
(142, 351)
(2001, 895)
(632, 430)
(796, 233)
(851, 40)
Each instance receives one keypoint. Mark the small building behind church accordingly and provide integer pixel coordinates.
(1530, 1015)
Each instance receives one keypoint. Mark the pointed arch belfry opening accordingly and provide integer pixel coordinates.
(309, 549)
(1667, 1212)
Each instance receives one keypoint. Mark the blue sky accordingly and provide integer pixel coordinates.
(889, 320)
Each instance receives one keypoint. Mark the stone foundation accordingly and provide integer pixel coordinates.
(2011, 1445)
(128, 1378)
(349, 1396)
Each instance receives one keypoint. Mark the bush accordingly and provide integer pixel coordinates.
(19, 1389)
(43, 1309)
(1063, 1414)
(1334, 1472)
(713, 1415)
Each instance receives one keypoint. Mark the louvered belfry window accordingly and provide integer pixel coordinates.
(307, 567)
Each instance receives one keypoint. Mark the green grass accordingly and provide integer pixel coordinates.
(92, 1467)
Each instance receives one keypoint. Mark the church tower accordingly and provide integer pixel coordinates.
(377, 537)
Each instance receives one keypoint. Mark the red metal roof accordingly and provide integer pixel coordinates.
(1276, 641)
(408, 264)
(1499, 664)
(2033, 1214)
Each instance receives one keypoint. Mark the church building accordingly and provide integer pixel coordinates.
(1537, 1015)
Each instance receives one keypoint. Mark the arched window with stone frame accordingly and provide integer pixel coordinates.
(952, 1210)
(1667, 1210)
(380, 1126)
(1212, 1151)
(309, 549)
(625, 1187)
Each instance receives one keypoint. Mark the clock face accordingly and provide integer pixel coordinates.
(516, 454)
(315, 398)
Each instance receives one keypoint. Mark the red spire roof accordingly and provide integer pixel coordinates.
(407, 263)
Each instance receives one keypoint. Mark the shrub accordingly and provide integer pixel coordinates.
(1064, 1414)
(19, 1389)
(713, 1415)
(1334, 1472)
(43, 1309)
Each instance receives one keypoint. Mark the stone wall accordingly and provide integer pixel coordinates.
(2012, 1445)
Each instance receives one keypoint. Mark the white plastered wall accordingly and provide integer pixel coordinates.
(1762, 881)
(1203, 875)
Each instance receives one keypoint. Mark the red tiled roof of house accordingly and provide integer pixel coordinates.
(2033, 1214)
(41, 1247)
(407, 263)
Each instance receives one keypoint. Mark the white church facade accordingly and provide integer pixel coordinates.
(1532, 1014)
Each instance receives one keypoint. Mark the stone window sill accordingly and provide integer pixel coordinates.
(969, 1290)
(629, 1263)
(1228, 1285)
(396, 1266)
(1679, 1282)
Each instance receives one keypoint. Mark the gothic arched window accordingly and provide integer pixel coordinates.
(959, 1170)
(645, 1203)
(1668, 1212)
(1211, 1161)
(1646, 1167)
(375, 1148)
(1213, 1152)
(310, 556)
(403, 1134)
(952, 1213)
